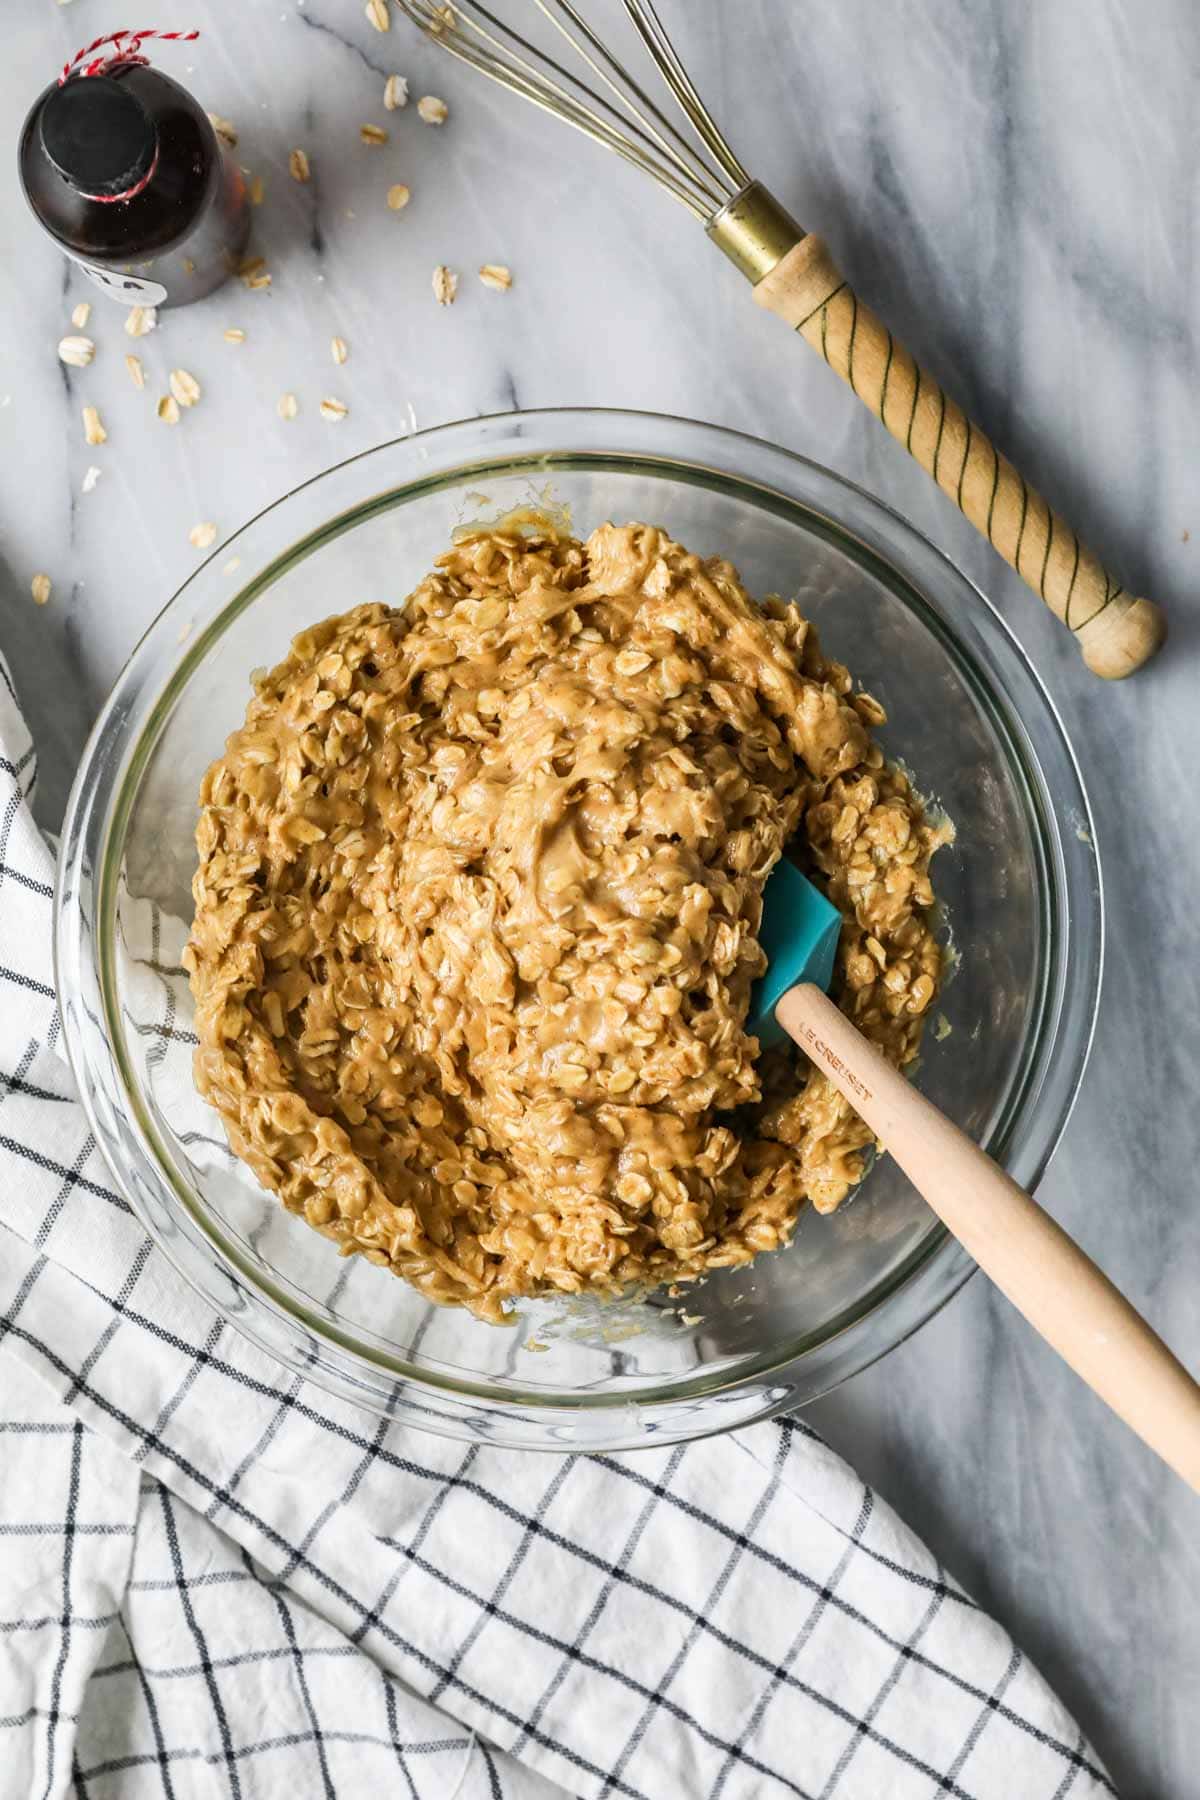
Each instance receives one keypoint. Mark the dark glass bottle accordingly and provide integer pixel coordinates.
(126, 173)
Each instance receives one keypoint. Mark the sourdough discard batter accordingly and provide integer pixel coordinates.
(475, 919)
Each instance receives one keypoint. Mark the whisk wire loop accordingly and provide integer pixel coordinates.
(551, 91)
(630, 95)
(697, 168)
(650, 28)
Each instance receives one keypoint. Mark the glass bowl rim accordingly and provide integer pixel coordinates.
(936, 1249)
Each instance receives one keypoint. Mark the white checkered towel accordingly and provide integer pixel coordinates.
(216, 1581)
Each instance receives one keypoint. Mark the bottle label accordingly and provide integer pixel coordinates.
(131, 290)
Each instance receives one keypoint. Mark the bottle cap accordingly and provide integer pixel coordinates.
(98, 136)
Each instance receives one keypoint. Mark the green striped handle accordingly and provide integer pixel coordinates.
(1115, 632)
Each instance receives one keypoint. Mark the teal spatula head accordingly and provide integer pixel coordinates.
(799, 934)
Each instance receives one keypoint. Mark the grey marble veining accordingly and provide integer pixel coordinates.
(1015, 186)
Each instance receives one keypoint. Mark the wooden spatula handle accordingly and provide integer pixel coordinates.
(1031, 1259)
(1116, 632)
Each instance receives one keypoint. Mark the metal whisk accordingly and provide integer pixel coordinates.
(795, 276)
(703, 175)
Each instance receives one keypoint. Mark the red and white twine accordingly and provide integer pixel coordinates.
(124, 49)
(127, 49)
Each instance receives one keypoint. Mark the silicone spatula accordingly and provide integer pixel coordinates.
(1030, 1258)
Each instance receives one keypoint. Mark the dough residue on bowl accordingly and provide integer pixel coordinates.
(479, 881)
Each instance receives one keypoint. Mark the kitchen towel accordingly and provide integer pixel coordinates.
(217, 1580)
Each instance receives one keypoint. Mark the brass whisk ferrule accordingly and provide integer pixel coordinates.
(754, 231)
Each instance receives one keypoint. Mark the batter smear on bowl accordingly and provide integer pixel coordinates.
(479, 880)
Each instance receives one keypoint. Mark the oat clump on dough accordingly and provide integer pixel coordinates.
(479, 880)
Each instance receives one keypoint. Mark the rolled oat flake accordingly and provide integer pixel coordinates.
(123, 169)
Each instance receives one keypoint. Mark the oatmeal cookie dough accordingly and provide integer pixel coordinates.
(478, 887)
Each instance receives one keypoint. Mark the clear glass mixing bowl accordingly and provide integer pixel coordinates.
(1021, 889)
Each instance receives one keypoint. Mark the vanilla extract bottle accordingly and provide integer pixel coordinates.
(122, 168)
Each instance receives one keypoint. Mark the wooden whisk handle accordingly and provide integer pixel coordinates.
(1116, 632)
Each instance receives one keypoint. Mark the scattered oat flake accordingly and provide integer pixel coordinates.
(93, 428)
(339, 349)
(185, 387)
(81, 315)
(287, 406)
(378, 14)
(257, 191)
(168, 410)
(433, 110)
(201, 536)
(141, 321)
(398, 197)
(261, 280)
(250, 265)
(445, 285)
(76, 352)
(235, 562)
(333, 410)
(40, 587)
(298, 166)
(90, 479)
(443, 20)
(225, 129)
(395, 93)
(495, 275)
(235, 335)
(373, 135)
(136, 372)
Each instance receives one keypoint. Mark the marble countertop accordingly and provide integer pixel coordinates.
(1016, 187)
